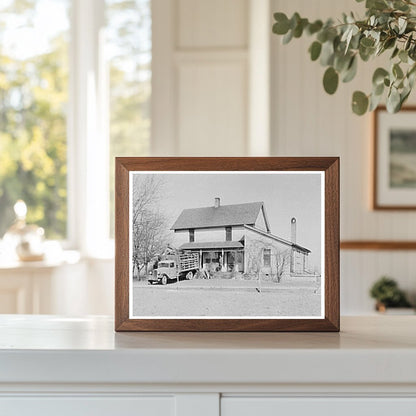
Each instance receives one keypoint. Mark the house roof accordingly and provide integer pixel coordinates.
(224, 215)
(280, 240)
(212, 245)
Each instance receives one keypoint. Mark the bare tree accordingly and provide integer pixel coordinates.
(150, 229)
(282, 258)
(253, 251)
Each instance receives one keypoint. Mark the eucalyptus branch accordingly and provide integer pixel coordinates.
(389, 25)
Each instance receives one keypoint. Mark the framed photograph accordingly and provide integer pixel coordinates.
(395, 159)
(227, 244)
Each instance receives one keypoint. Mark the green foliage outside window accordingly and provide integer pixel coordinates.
(34, 104)
(33, 99)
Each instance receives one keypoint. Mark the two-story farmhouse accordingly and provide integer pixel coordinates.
(238, 238)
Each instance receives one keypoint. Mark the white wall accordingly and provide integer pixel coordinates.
(308, 122)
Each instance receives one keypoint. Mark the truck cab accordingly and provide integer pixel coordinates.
(182, 266)
(165, 271)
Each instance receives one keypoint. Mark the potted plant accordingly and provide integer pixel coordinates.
(389, 27)
(387, 294)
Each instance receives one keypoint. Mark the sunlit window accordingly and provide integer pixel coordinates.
(129, 45)
(42, 78)
(33, 103)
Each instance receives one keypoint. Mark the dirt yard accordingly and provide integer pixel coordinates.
(227, 298)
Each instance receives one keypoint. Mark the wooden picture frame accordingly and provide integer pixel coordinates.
(269, 168)
(394, 185)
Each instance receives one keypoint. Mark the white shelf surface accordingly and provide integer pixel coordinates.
(53, 349)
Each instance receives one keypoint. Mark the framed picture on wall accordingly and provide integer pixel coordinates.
(227, 244)
(394, 186)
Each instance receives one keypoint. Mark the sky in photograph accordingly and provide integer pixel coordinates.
(285, 195)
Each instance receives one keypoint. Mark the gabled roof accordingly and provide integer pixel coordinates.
(279, 239)
(224, 215)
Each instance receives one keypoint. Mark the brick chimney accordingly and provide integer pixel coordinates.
(217, 202)
(293, 230)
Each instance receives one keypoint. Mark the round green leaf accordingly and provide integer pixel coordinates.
(408, 42)
(395, 52)
(314, 27)
(298, 30)
(389, 43)
(404, 96)
(397, 71)
(288, 37)
(315, 50)
(374, 102)
(367, 42)
(366, 53)
(393, 101)
(379, 75)
(327, 54)
(330, 80)
(403, 56)
(342, 61)
(294, 20)
(351, 71)
(281, 27)
(359, 103)
(378, 90)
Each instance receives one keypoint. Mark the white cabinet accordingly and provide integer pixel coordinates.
(87, 406)
(270, 406)
(68, 286)
(52, 365)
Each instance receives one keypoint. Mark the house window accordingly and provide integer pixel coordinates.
(228, 234)
(191, 236)
(267, 257)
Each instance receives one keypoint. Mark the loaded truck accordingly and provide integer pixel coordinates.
(175, 267)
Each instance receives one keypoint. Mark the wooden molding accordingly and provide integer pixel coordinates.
(378, 245)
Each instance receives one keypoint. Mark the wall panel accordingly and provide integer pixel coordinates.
(212, 24)
(211, 108)
(200, 77)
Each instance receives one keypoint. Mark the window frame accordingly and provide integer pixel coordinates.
(228, 233)
(87, 132)
(267, 256)
(191, 235)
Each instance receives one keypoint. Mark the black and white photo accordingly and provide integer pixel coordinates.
(226, 244)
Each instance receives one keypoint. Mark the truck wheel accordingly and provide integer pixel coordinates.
(189, 275)
(164, 280)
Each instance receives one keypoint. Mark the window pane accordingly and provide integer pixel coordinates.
(266, 257)
(129, 51)
(33, 99)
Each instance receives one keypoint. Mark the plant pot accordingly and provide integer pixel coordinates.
(382, 309)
